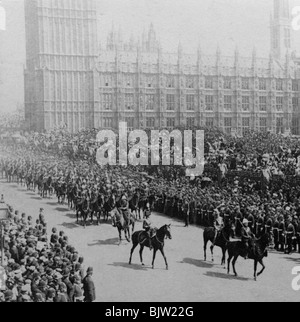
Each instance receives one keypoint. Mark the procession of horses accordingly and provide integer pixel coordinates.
(240, 182)
(93, 197)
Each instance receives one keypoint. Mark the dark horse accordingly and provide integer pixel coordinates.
(134, 205)
(158, 243)
(83, 209)
(257, 253)
(221, 241)
(109, 206)
(46, 187)
(123, 221)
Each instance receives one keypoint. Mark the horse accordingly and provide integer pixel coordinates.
(71, 196)
(83, 209)
(157, 241)
(61, 193)
(134, 204)
(221, 241)
(97, 207)
(47, 187)
(109, 206)
(259, 251)
(38, 182)
(124, 220)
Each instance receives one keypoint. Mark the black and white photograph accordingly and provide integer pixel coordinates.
(149, 153)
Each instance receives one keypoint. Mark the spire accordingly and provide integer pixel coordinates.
(120, 38)
(288, 58)
(144, 40)
(254, 57)
(180, 49)
(254, 61)
(199, 51)
(218, 52)
(254, 53)
(281, 29)
(152, 42)
(111, 39)
(132, 42)
(271, 63)
(236, 56)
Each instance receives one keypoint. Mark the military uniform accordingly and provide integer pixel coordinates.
(259, 226)
(148, 226)
(268, 225)
(290, 235)
(251, 222)
(298, 236)
(186, 212)
(276, 234)
(281, 230)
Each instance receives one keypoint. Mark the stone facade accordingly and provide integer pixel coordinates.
(69, 81)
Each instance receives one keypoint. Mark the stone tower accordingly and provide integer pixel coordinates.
(61, 49)
(281, 38)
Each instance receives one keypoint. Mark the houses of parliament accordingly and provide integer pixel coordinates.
(69, 80)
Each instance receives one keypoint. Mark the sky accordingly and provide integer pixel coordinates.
(227, 23)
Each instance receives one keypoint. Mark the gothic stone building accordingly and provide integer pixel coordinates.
(69, 80)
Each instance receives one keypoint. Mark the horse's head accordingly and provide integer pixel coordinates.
(167, 231)
(265, 240)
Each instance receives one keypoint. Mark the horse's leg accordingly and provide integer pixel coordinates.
(212, 252)
(255, 269)
(165, 258)
(223, 257)
(261, 262)
(228, 263)
(233, 264)
(154, 255)
(131, 252)
(127, 233)
(141, 255)
(120, 235)
(205, 245)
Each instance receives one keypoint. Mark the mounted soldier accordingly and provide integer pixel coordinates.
(276, 233)
(290, 235)
(218, 224)
(247, 238)
(281, 230)
(260, 226)
(147, 226)
(123, 208)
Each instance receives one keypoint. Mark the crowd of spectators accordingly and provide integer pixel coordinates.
(42, 268)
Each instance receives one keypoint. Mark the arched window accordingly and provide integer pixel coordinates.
(2, 18)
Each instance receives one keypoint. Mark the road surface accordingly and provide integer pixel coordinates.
(189, 278)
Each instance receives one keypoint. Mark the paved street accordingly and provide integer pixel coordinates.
(189, 278)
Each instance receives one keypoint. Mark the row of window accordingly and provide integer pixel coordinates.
(191, 122)
(107, 102)
(190, 83)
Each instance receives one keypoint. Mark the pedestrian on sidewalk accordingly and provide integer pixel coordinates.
(89, 286)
